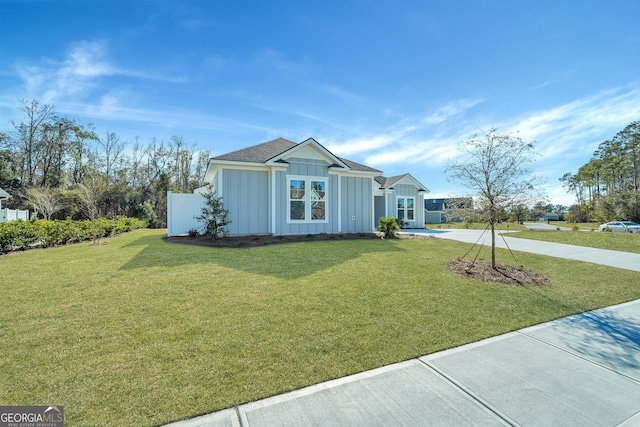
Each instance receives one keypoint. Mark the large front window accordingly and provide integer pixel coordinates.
(307, 199)
(406, 208)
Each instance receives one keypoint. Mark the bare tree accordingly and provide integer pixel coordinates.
(90, 203)
(29, 137)
(495, 167)
(109, 154)
(45, 201)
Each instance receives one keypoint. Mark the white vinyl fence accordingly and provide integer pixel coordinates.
(182, 210)
(7, 215)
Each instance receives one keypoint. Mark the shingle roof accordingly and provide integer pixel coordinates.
(4, 194)
(261, 153)
(388, 182)
(258, 153)
(357, 166)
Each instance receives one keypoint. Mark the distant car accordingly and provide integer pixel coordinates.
(621, 227)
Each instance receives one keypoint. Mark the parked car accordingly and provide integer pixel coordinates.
(621, 227)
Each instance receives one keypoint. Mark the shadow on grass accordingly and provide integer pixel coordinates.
(607, 337)
(286, 261)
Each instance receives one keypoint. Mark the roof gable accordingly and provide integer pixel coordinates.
(310, 149)
(4, 194)
(388, 183)
(277, 151)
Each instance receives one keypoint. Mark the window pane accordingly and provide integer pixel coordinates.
(410, 214)
(410, 203)
(296, 187)
(401, 203)
(297, 210)
(318, 190)
(400, 213)
(317, 211)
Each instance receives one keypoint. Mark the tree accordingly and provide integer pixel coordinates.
(495, 167)
(90, 196)
(45, 201)
(213, 215)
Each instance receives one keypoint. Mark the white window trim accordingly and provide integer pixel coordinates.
(406, 207)
(307, 200)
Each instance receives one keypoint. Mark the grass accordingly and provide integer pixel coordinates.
(476, 226)
(585, 226)
(144, 332)
(612, 241)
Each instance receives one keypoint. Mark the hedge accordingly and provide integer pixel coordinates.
(20, 235)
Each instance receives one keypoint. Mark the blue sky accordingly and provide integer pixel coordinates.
(395, 85)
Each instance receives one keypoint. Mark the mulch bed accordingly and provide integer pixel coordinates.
(505, 274)
(264, 240)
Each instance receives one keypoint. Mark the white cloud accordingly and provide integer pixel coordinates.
(451, 110)
(77, 75)
(581, 125)
(410, 140)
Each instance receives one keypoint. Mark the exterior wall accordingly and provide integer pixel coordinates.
(432, 217)
(405, 190)
(379, 208)
(181, 212)
(357, 204)
(311, 168)
(245, 194)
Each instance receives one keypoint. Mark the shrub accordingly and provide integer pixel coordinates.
(213, 215)
(18, 235)
(389, 227)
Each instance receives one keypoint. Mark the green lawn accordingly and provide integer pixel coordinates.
(143, 332)
(475, 226)
(592, 239)
(584, 226)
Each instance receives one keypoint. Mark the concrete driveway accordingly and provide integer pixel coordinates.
(625, 260)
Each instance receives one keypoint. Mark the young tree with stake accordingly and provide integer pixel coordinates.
(495, 167)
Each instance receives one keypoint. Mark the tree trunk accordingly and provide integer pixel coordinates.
(493, 245)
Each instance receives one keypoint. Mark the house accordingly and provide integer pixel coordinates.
(436, 210)
(3, 196)
(549, 216)
(281, 187)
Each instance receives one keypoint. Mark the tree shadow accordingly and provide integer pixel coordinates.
(607, 337)
(285, 261)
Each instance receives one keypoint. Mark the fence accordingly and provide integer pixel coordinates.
(182, 210)
(7, 215)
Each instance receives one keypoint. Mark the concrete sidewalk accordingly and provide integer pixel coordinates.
(625, 260)
(582, 370)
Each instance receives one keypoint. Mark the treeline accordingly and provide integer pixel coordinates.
(61, 168)
(608, 186)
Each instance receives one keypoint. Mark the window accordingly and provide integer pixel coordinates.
(307, 199)
(297, 199)
(405, 208)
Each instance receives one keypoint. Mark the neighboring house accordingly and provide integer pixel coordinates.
(436, 209)
(3, 196)
(549, 216)
(281, 187)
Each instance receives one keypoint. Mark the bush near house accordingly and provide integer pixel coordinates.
(389, 227)
(20, 235)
